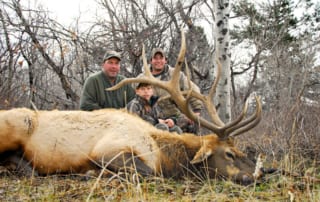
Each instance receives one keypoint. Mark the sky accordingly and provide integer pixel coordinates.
(65, 11)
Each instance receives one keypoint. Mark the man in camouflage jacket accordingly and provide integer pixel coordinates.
(161, 70)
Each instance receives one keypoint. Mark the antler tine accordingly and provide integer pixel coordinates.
(233, 124)
(237, 126)
(177, 68)
(210, 105)
(189, 113)
(145, 63)
(188, 78)
(249, 123)
(217, 123)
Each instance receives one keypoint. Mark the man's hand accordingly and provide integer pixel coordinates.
(169, 122)
(190, 121)
(162, 121)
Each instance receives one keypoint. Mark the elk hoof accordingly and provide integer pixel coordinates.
(247, 180)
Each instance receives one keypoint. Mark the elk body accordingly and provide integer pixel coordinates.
(78, 141)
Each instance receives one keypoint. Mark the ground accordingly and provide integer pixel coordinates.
(276, 187)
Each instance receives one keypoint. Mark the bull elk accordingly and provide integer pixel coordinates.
(79, 141)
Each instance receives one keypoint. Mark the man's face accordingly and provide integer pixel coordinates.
(158, 62)
(111, 67)
(145, 91)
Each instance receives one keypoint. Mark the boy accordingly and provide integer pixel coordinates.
(144, 104)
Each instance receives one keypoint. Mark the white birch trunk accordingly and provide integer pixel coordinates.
(222, 43)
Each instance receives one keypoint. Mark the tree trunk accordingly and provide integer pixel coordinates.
(221, 34)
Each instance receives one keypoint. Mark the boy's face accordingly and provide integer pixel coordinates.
(145, 92)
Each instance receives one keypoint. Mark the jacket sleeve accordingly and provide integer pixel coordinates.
(127, 89)
(158, 114)
(88, 99)
(130, 93)
(133, 108)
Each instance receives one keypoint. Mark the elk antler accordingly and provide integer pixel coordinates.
(182, 98)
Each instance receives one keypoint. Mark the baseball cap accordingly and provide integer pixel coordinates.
(111, 54)
(158, 50)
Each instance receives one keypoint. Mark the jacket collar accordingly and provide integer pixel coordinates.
(165, 70)
(117, 80)
(152, 101)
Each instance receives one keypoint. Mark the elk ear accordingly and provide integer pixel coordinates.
(202, 155)
(230, 141)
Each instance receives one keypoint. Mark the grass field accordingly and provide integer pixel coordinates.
(276, 187)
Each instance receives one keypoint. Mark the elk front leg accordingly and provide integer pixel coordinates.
(129, 163)
(117, 157)
(15, 161)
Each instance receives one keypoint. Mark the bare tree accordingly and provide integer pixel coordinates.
(47, 52)
(57, 67)
(9, 63)
(222, 44)
(278, 57)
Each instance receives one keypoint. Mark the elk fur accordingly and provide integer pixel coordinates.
(73, 141)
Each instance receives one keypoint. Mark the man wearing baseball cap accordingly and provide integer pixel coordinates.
(161, 70)
(94, 96)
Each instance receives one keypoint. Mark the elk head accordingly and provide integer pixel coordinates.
(220, 157)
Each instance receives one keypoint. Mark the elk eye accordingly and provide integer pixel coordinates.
(230, 155)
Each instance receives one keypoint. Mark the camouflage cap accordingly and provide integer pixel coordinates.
(158, 50)
(111, 54)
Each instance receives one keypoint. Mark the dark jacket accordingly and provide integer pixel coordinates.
(94, 95)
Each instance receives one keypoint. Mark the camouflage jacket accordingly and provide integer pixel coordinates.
(148, 111)
(168, 106)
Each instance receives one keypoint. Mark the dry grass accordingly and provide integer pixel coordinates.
(276, 187)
